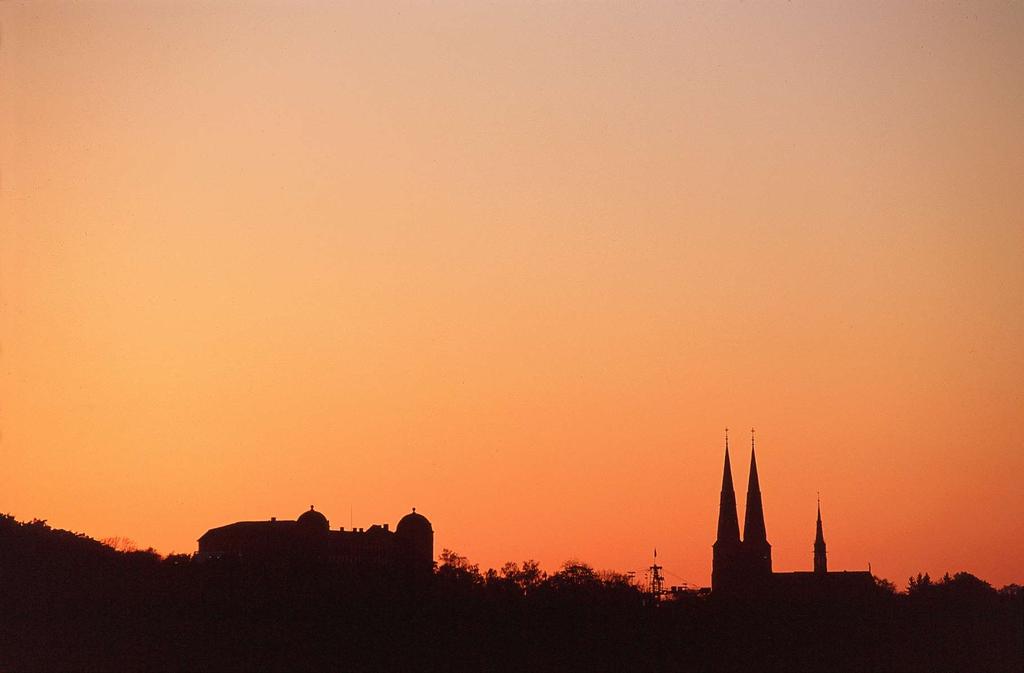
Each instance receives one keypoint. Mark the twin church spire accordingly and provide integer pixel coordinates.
(753, 519)
(747, 562)
(740, 562)
(728, 524)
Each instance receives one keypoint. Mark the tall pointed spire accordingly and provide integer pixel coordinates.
(727, 550)
(820, 560)
(753, 520)
(728, 522)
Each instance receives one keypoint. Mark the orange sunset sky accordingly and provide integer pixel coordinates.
(518, 265)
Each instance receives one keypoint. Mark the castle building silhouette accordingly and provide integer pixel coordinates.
(744, 567)
(409, 547)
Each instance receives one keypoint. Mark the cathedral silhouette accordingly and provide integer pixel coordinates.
(744, 567)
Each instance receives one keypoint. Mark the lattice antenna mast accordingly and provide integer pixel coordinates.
(657, 589)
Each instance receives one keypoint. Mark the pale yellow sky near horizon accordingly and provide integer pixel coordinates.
(518, 265)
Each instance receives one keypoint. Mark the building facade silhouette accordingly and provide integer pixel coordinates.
(744, 566)
(310, 538)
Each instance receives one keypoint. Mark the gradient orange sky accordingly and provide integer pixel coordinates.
(518, 265)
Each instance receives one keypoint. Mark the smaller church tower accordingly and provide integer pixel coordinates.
(820, 561)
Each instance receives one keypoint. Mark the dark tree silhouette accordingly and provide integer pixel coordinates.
(68, 602)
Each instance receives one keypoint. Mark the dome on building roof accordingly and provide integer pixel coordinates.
(313, 518)
(414, 522)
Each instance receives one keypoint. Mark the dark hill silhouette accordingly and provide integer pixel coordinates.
(68, 602)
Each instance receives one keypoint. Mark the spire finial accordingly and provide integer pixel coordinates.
(751, 439)
(727, 439)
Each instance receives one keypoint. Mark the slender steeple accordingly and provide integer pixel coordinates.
(753, 520)
(820, 561)
(728, 523)
(727, 550)
(756, 550)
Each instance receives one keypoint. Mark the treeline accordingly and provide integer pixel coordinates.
(68, 602)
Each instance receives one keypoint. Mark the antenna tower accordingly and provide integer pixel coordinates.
(657, 589)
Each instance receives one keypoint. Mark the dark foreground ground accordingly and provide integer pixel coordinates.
(70, 603)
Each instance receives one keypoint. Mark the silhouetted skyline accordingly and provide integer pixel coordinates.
(71, 603)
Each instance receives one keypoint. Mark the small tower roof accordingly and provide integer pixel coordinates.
(313, 518)
(414, 521)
